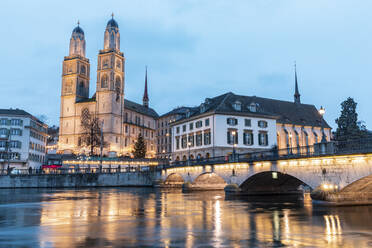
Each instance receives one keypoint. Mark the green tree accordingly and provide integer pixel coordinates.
(348, 125)
(140, 147)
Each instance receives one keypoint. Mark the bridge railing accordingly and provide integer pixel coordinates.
(77, 170)
(319, 149)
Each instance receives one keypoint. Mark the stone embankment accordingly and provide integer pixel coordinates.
(77, 180)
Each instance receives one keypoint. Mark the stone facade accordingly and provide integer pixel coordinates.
(107, 104)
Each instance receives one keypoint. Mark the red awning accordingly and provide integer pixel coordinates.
(52, 166)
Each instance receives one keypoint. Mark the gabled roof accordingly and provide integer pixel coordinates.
(285, 112)
(140, 108)
(14, 112)
(177, 111)
(19, 112)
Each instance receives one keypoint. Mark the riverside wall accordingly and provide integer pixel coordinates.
(140, 179)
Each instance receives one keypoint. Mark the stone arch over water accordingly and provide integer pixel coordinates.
(174, 179)
(209, 178)
(272, 182)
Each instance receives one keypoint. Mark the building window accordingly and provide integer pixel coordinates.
(232, 137)
(191, 126)
(177, 143)
(199, 139)
(247, 122)
(237, 106)
(184, 128)
(306, 139)
(262, 124)
(191, 140)
(232, 121)
(253, 107)
(184, 141)
(207, 138)
(178, 130)
(248, 138)
(104, 81)
(198, 124)
(207, 122)
(16, 122)
(263, 139)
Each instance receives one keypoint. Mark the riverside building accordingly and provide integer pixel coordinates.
(22, 140)
(234, 123)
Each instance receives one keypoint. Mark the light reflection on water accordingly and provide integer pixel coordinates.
(132, 217)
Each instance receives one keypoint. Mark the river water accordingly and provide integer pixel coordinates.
(146, 217)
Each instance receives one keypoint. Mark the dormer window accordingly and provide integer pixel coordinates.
(253, 107)
(237, 106)
(202, 108)
(188, 114)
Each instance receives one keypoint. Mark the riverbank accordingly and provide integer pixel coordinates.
(77, 180)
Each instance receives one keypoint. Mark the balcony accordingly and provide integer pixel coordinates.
(2, 149)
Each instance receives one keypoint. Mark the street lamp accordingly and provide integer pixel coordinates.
(322, 112)
(233, 133)
(189, 145)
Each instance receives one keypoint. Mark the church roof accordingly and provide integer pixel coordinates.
(79, 30)
(285, 112)
(112, 23)
(140, 108)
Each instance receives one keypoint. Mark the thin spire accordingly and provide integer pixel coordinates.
(145, 94)
(78, 23)
(297, 96)
(112, 15)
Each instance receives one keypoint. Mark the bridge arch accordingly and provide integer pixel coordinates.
(364, 184)
(272, 182)
(209, 178)
(174, 179)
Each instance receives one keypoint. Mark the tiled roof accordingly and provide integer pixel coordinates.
(19, 112)
(285, 112)
(14, 112)
(140, 108)
(179, 110)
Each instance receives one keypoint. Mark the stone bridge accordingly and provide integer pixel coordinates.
(332, 173)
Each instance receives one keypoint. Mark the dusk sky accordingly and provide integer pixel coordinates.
(194, 50)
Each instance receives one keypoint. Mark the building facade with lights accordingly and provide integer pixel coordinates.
(234, 123)
(164, 131)
(120, 119)
(22, 140)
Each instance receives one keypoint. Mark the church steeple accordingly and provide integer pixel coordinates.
(112, 35)
(297, 96)
(77, 42)
(145, 94)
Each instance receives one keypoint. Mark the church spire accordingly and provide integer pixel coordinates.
(297, 96)
(145, 94)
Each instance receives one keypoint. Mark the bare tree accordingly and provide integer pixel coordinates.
(91, 135)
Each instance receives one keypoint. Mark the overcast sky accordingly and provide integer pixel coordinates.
(194, 49)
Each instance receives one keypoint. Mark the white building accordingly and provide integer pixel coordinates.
(246, 124)
(22, 140)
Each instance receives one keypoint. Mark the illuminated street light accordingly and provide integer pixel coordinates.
(322, 112)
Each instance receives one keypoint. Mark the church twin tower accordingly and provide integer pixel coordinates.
(107, 103)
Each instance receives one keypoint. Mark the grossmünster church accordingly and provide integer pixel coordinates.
(122, 120)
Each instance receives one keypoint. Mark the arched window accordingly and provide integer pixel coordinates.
(85, 116)
(104, 81)
(81, 88)
(117, 88)
(82, 69)
(68, 87)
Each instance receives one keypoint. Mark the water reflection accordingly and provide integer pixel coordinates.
(154, 218)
